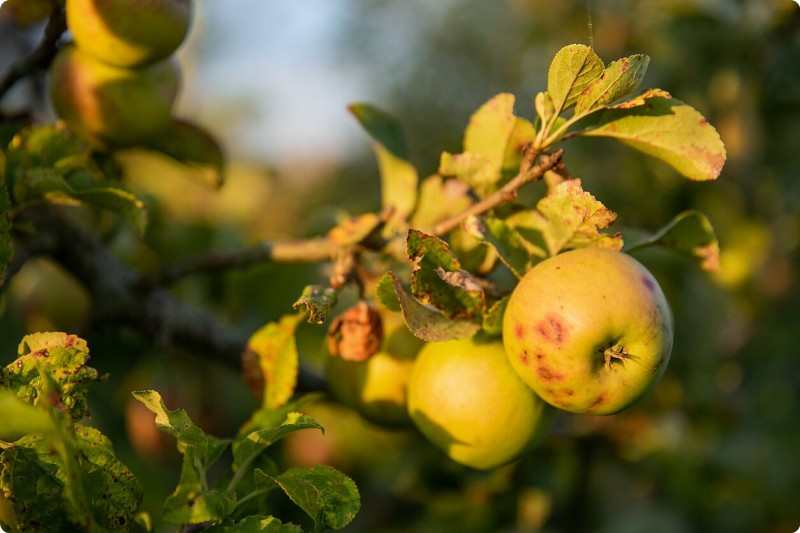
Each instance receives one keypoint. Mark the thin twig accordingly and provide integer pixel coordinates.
(305, 251)
(506, 193)
(41, 56)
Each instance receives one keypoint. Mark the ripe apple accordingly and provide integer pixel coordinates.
(112, 105)
(377, 388)
(129, 33)
(589, 330)
(466, 399)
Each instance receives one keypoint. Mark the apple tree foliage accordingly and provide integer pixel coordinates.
(446, 250)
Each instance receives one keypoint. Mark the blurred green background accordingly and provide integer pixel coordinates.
(716, 446)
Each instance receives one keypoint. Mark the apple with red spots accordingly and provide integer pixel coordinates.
(589, 330)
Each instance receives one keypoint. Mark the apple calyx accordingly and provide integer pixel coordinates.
(614, 352)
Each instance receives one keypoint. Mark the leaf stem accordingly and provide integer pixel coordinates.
(528, 172)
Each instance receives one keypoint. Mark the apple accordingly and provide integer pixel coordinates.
(377, 388)
(465, 398)
(589, 330)
(112, 105)
(129, 33)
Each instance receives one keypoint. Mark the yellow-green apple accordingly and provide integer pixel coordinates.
(465, 398)
(377, 388)
(589, 330)
(129, 33)
(112, 105)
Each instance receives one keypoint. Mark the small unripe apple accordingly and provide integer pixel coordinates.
(589, 330)
(129, 33)
(465, 398)
(377, 388)
(112, 105)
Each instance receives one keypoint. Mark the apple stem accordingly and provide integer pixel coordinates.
(614, 352)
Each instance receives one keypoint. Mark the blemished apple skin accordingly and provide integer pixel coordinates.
(589, 330)
(465, 398)
(129, 33)
(112, 106)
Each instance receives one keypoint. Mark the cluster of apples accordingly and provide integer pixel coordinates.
(116, 84)
(587, 331)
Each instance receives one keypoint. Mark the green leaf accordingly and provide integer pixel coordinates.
(668, 129)
(20, 418)
(318, 301)
(430, 324)
(63, 358)
(385, 293)
(399, 178)
(473, 169)
(545, 109)
(573, 69)
(568, 217)
(255, 524)
(430, 252)
(505, 240)
(493, 319)
(270, 417)
(439, 199)
(247, 447)
(190, 144)
(275, 348)
(489, 130)
(619, 79)
(329, 497)
(691, 233)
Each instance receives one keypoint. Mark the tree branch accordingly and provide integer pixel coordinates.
(41, 56)
(506, 193)
(120, 299)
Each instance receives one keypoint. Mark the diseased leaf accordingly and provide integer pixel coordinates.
(619, 79)
(192, 145)
(490, 128)
(255, 524)
(569, 217)
(691, 233)
(247, 447)
(385, 293)
(275, 348)
(430, 324)
(318, 301)
(493, 319)
(63, 359)
(399, 178)
(439, 199)
(668, 129)
(504, 239)
(329, 497)
(430, 252)
(573, 69)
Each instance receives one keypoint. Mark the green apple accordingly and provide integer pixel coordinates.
(129, 33)
(589, 330)
(112, 105)
(377, 388)
(466, 399)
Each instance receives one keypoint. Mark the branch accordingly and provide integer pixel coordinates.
(308, 251)
(506, 193)
(120, 299)
(41, 56)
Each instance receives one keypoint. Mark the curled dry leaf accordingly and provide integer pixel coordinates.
(356, 334)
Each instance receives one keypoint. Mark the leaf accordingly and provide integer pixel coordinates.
(385, 293)
(668, 129)
(20, 418)
(247, 447)
(192, 145)
(255, 524)
(355, 230)
(191, 503)
(493, 319)
(619, 79)
(398, 176)
(490, 128)
(270, 417)
(318, 301)
(63, 358)
(329, 497)
(275, 348)
(430, 324)
(521, 137)
(573, 69)
(691, 233)
(504, 239)
(430, 252)
(439, 199)
(569, 217)
(473, 169)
